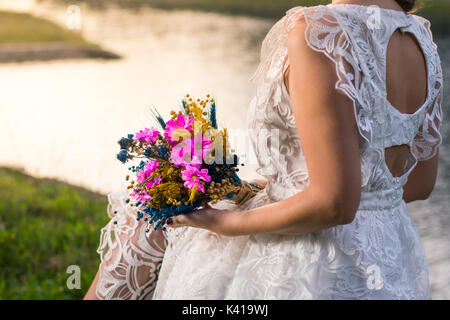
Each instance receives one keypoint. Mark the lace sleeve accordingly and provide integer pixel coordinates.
(428, 139)
(130, 257)
(324, 33)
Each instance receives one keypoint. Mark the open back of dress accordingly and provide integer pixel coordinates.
(406, 90)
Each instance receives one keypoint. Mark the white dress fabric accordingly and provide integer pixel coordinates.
(377, 256)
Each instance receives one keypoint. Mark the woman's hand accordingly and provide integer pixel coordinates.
(225, 222)
(219, 221)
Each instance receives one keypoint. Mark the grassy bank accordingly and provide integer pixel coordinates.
(25, 28)
(46, 226)
(259, 8)
(25, 37)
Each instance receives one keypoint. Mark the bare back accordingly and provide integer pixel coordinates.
(406, 88)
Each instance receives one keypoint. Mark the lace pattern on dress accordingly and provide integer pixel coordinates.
(130, 257)
(428, 139)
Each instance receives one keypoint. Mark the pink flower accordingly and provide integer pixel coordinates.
(147, 135)
(191, 152)
(192, 177)
(145, 173)
(153, 182)
(140, 196)
(181, 122)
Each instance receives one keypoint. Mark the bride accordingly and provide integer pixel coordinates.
(345, 125)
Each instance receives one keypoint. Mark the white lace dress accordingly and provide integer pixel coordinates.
(377, 256)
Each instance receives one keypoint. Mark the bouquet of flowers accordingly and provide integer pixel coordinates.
(184, 163)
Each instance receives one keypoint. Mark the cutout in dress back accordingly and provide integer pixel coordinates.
(406, 90)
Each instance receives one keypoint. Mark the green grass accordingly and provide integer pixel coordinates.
(25, 28)
(45, 226)
(260, 8)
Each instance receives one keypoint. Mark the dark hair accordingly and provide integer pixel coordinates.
(407, 5)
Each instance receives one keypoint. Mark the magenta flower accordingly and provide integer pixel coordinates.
(147, 135)
(191, 152)
(140, 196)
(145, 173)
(181, 122)
(153, 182)
(192, 177)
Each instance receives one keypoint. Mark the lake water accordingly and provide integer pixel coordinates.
(62, 119)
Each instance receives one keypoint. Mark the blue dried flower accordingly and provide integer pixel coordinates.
(183, 107)
(235, 160)
(164, 152)
(122, 156)
(212, 115)
(235, 178)
(130, 136)
(148, 153)
(160, 216)
(158, 118)
(124, 143)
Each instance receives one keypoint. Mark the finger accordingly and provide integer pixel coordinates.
(171, 222)
(177, 221)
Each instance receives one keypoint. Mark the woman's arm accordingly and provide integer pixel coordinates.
(422, 179)
(330, 140)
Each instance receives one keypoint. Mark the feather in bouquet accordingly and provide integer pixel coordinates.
(184, 163)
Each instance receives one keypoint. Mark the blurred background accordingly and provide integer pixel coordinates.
(75, 76)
